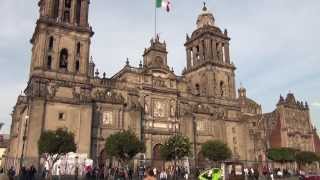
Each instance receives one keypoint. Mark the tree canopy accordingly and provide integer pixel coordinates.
(58, 142)
(306, 157)
(124, 146)
(216, 150)
(176, 146)
(282, 155)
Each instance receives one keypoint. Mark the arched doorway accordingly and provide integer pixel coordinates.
(202, 162)
(156, 157)
(103, 159)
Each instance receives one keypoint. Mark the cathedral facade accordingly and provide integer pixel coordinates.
(65, 91)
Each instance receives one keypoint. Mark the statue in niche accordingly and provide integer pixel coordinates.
(172, 108)
(64, 59)
(159, 110)
(147, 105)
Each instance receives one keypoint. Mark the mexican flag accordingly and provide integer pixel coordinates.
(163, 4)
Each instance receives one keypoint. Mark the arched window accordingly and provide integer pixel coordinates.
(197, 89)
(67, 9)
(50, 43)
(191, 57)
(63, 59)
(55, 9)
(78, 48)
(78, 11)
(66, 16)
(49, 62)
(221, 88)
(77, 65)
(198, 53)
(67, 4)
(223, 53)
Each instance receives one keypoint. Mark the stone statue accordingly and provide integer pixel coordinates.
(172, 108)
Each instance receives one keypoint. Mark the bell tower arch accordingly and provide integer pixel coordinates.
(61, 40)
(209, 70)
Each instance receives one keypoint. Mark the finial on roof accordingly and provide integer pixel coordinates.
(204, 6)
(97, 73)
(104, 75)
(140, 64)
(127, 62)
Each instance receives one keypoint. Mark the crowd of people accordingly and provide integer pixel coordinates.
(149, 173)
(105, 173)
(25, 173)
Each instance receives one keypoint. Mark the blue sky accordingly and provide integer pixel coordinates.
(274, 43)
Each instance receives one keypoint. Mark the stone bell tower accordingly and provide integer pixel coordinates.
(61, 40)
(209, 69)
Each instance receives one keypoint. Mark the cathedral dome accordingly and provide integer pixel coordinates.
(205, 18)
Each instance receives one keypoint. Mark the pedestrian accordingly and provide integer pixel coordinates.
(155, 172)
(32, 172)
(163, 175)
(141, 172)
(149, 175)
(256, 174)
(11, 173)
(186, 176)
(58, 173)
(23, 173)
(130, 173)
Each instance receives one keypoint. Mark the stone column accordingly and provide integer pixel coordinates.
(226, 52)
(214, 50)
(73, 12)
(194, 51)
(201, 51)
(219, 52)
(84, 61)
(208, 49)
(61, 8)
(188, 58)
(84, 13)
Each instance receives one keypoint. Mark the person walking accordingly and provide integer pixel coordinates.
(163, 175)
(150, 175)
(32, 172)
(11, 173)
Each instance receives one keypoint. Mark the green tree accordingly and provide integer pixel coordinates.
(306, 157)
(52, 145)
(124, 146)
(176, 147)
(282, 155)
(216, 150)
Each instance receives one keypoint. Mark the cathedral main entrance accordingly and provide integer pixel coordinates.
(157, 162)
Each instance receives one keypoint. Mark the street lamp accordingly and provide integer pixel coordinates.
(24, 140)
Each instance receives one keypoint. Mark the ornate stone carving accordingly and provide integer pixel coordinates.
(159, 108)
(81, 94)
(104, 95)
(172, 108)
(52, 89)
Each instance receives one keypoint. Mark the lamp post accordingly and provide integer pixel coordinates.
(142, 158)
(194, 122)
(24, 140)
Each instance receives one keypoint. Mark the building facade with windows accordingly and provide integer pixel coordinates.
(65, 91)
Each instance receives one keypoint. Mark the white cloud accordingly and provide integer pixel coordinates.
(316, 104)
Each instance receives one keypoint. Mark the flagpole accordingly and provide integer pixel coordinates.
(155, 19)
